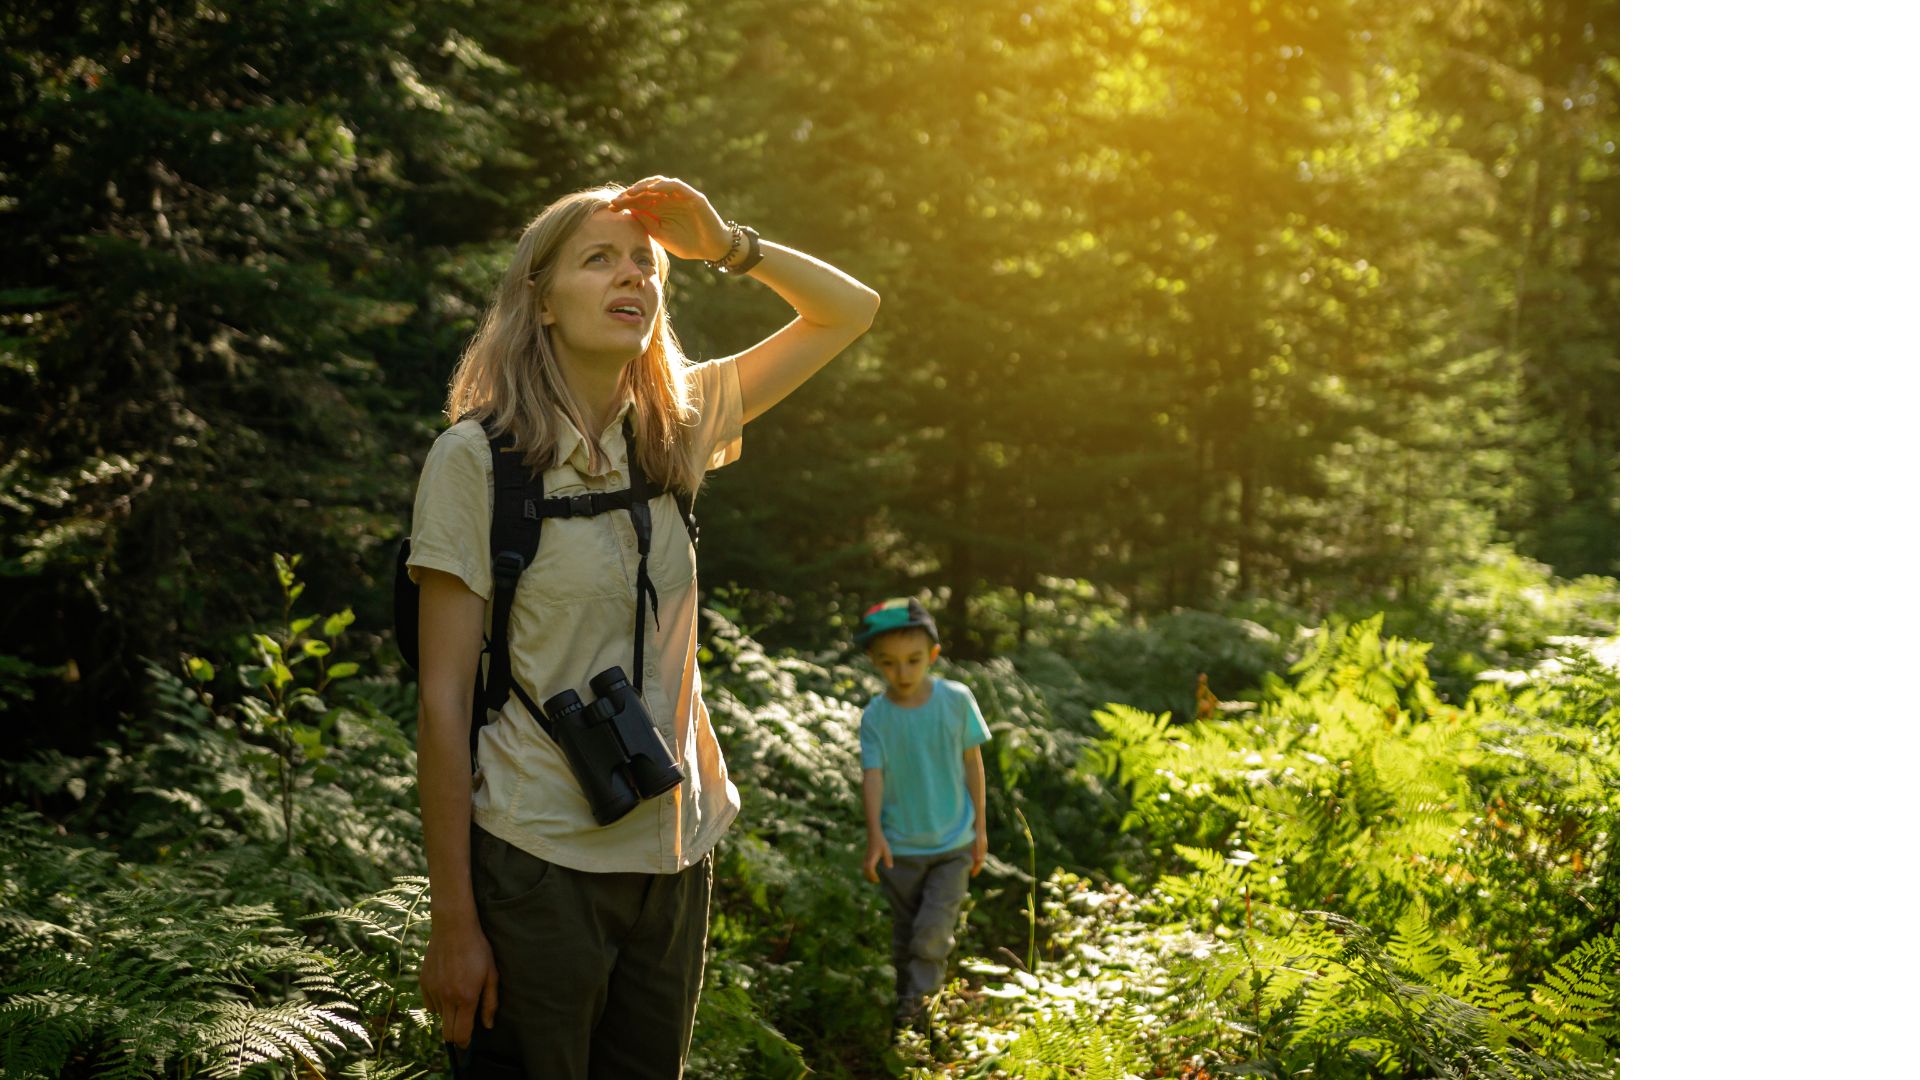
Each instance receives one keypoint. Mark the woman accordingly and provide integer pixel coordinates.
(562, 947)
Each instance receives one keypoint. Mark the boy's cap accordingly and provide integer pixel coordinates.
(900, 613)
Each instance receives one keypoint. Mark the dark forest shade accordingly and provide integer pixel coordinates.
(1198, 302)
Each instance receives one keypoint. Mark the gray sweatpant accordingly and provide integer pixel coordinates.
(925, 892)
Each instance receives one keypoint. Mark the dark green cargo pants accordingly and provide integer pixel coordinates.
(599, 973)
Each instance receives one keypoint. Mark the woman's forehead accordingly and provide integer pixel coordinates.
(605, 226)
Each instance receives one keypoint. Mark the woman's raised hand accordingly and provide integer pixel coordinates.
(677, 215)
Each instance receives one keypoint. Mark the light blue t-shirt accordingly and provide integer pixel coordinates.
(925, 808)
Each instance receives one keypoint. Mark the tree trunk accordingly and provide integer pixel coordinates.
(960, 562)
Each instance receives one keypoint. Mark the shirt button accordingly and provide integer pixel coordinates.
(652, 672)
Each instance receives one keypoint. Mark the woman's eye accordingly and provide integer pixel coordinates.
(596, 259)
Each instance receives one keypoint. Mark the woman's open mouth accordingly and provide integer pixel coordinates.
(629, 309)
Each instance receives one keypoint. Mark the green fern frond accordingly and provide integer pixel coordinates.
(1576, 1005)
(240, 1036)
(1078, 1046)
(389, 915)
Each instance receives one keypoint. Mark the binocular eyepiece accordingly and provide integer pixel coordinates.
(615, 752)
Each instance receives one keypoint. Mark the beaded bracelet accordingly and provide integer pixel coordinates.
(725, 263)
(734, 229)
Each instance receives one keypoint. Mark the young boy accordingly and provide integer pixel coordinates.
(925, 791)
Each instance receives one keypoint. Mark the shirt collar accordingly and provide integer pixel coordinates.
(573, 448)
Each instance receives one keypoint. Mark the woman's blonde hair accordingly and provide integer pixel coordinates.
(510, 378)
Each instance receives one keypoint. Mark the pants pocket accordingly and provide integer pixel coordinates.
(504, 875)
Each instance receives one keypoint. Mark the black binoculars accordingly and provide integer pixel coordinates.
(615, 752)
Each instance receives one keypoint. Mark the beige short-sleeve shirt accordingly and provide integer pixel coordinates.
(573, 617)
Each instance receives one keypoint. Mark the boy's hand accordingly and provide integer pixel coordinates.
(979, 852)
(877, 852)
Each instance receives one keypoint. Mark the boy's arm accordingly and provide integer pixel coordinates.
(977, 787)
(873, 784)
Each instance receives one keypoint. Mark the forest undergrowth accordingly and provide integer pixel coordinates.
(1355, 853)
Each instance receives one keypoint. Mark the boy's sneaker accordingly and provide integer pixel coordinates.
(912, 1016)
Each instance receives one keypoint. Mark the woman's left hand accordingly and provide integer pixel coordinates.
(677, 215)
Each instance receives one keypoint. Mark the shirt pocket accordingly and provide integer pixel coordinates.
(579, 557)
(670, 560)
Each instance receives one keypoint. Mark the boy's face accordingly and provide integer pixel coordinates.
(903, 660)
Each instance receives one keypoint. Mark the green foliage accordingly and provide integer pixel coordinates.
(1193, 305)
(1223, 302)
(215, 221)
(1505, 611)
(289, 771)
(1300, 993)
(1154, 664)
(137, 969)
(1059, 1047)
(1355, 787)
(1224, 967)
(1484, 834)
(792, 923)
(1500, 611)
(387, 936)
(16, 677)
(247, 244)
(1331, 997)
(1354, 877)
(153, 929)
(733, 1040)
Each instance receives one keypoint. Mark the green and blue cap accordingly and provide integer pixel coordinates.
(899, 613)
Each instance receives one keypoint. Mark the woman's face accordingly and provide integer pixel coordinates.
(605, 296)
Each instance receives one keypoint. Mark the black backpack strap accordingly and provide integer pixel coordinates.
(593, 504)
(406, 606)
(639, 493)
(514, 541)
(643, 491)
(519, 507)
(587, 505)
